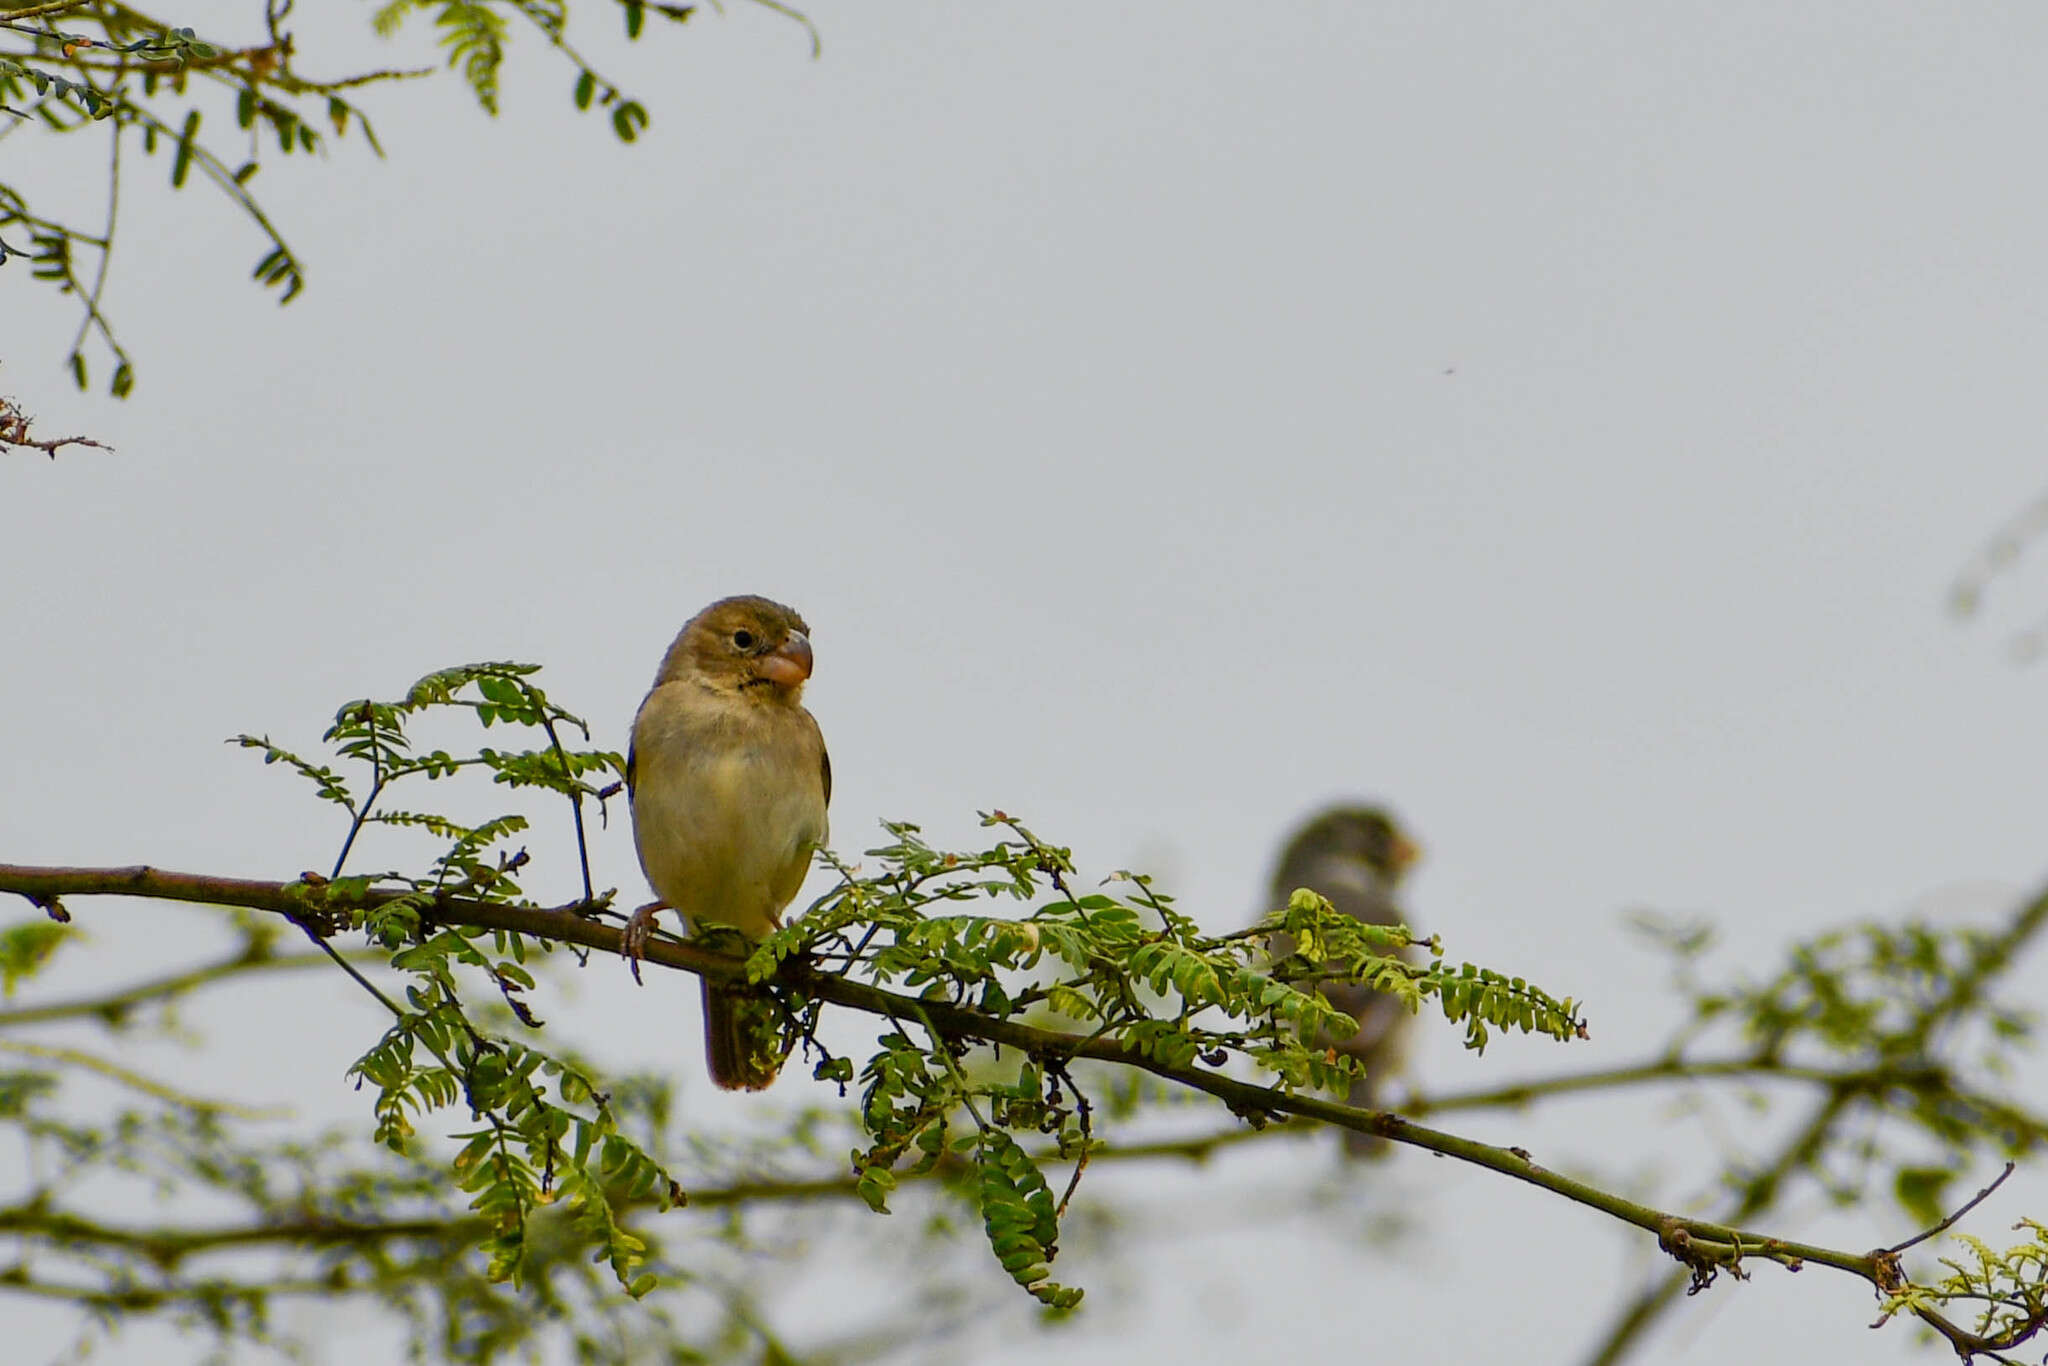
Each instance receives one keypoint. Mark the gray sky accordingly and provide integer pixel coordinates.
(1564, 422)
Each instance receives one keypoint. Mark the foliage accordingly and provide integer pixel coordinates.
(334, 1218)
(130, 81)
(547, 1133)
(553, 1171)
(510, 1175)
(1894, 1037)
(2009, 1289)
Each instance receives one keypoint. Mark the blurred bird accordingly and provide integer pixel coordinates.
(1355, 857)
(728, 779)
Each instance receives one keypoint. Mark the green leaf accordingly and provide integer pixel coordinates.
(874, 1186)
(1019, 1217)
(182, 162)
(628, 119)
(25, 946)
(474, 35)
(1922, 1192)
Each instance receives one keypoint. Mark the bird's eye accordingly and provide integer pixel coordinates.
(743, 639)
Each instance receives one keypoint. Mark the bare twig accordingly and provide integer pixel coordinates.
(1943, 1227)
(14, 431)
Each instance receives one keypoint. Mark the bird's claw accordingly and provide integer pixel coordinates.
(639, 926)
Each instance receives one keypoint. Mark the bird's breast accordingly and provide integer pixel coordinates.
(725, 815)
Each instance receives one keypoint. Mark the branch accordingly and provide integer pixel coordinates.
(1760, 1192)
(167, 1245)
(1701, 1245)
(1804, 1147)
(149, 1086)
(15, 16)
(1979, 1198)
(15, 1281)
(1911, 1075)
(14, 425)
(113, 1007)
(1667, 1068)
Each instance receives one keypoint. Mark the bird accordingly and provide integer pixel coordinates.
(1355, 856)
(728, 779)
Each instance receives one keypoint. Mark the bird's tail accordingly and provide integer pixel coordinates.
(742, 1038)
(1356, 1144)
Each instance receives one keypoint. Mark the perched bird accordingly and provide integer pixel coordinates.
(1354, 856)
(728, 780)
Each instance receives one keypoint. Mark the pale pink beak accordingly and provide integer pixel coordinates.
(789, 664)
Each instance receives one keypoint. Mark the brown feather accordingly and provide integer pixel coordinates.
(740, 1047)
(1354, 856)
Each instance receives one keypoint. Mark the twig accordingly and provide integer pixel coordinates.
(575, 801)
(14, 426)
(1942, 1227)
(135, 1081)
(112, 1007)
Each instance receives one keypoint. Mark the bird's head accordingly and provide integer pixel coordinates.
(1366, 833)
(746, 644)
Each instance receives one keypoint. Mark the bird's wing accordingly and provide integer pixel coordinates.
(824, 763)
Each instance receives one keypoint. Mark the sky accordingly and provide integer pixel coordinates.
(1565, 424)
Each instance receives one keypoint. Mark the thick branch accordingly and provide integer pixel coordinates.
(1696, 1241)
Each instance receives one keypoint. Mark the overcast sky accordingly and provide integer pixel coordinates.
(1564, 422)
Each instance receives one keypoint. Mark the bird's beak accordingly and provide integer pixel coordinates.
(1406, 853)
(789, 664)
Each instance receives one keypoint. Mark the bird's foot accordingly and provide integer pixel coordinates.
(639, 925)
